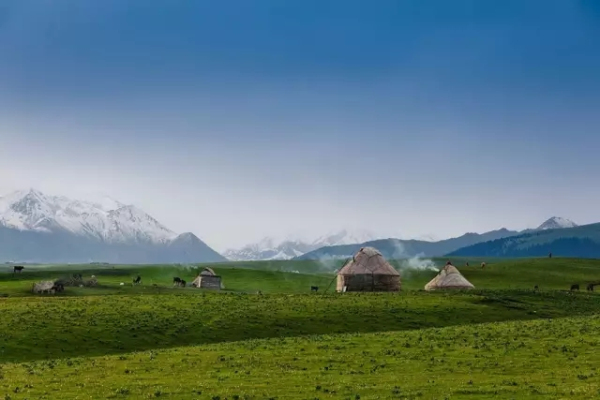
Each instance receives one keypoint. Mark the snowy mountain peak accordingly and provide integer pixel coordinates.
(291, 247)
(346, 236)
(106, 219)
(557, 223)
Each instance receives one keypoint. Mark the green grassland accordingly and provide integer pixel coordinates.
(500, 340)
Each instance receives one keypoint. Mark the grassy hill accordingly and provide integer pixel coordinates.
(582, 241)
(554, 359)
(501, 340)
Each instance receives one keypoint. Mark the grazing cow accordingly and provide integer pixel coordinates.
(176, 280)
(137, 280)
(182, 283)
(467, 264)
(590, 287)
(536, 288)
(575, 286)
(483, 265)
(18, 268)
(314, 288)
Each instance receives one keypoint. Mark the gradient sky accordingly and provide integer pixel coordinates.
(240, 119)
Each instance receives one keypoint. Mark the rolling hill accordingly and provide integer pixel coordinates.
(580, 241)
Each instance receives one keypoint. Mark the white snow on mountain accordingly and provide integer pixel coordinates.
(290, 247)
(106, 219)
(346, 236)
(557, 223)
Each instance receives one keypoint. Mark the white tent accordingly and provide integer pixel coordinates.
(449, 278)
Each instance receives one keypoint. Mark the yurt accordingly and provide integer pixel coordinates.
(207, 279)
(368, 271)
(449, 278)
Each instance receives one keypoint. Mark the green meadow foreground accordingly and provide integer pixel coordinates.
(502, 340)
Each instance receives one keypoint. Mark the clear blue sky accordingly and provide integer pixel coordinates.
(241, 119)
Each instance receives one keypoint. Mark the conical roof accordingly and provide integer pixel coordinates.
(368, 260)
(449, 278)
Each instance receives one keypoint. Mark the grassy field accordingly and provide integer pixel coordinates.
(501, 340)
(271, 276)
(511, 360)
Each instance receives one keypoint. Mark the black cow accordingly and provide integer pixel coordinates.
(18, 268)
(575, 286)
(137, 280)
(590, 287)
(314, 288)
(182, 283)
(176, 280)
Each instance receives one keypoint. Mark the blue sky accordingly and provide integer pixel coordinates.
(237, 119)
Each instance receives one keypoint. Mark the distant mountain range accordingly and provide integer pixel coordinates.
(35, 227)
(579, 241)
(397, 248)
(271, 249)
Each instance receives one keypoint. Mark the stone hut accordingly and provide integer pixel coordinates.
(368, 271)
(207, 279)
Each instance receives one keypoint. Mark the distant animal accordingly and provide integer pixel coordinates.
(314, 288)
(549, 255)
(590, 287)
(18, 268)
(122, 284)
(176, 280)
(575, 286)
(467, 264)
(182, 283)
(137, 280)
(536, 288)
(59, 287)
(259, 293)
(483, 265)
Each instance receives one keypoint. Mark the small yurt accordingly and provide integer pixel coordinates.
(449, 278)
(368, 271)
(207, 280)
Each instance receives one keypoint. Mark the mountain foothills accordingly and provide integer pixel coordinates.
(580, 241)
(35, 227)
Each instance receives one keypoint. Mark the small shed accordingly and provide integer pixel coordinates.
(368, 271)
(207, 279)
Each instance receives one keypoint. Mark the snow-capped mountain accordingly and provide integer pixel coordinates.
(271, 249)
(110, 220)
(110, 231)
(556, 223)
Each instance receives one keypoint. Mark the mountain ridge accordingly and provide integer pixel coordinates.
(35, 227)
(581, 241)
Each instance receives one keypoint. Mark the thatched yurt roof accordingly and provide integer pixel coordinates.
(449, 278)
(208, 272)
(368, 261)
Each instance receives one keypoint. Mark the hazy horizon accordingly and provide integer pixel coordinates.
(241, 120)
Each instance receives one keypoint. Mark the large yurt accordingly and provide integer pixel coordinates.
(368, 271)
(449, 277)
